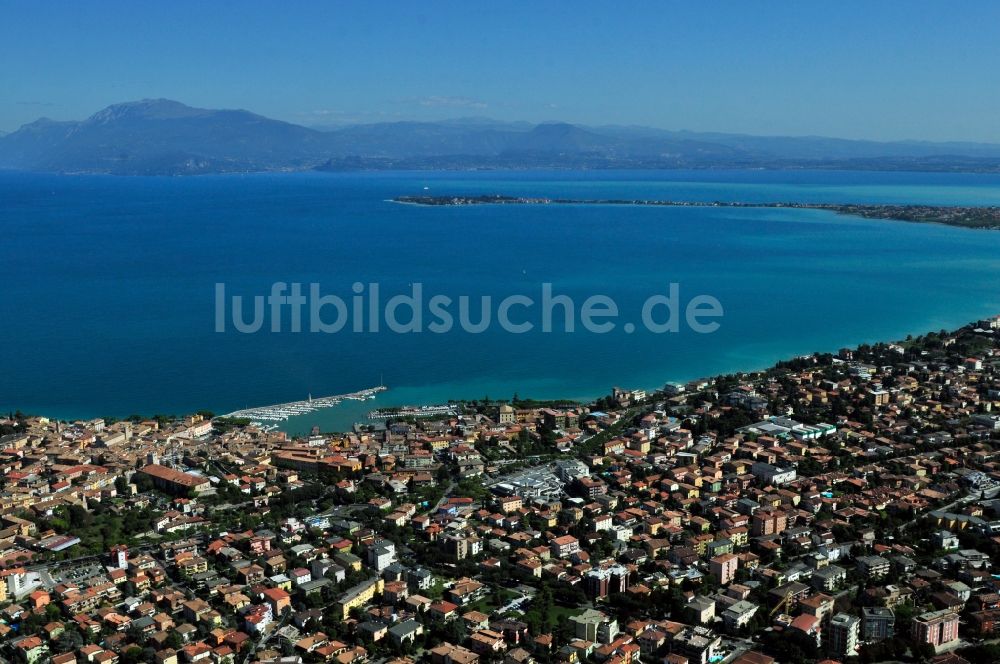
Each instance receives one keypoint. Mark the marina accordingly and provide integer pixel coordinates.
(281, 412)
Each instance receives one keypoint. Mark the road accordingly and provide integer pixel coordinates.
(945, 508)
(444, 497)
(267, 637)
(79, 559)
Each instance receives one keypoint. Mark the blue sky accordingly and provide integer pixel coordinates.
(882, 70)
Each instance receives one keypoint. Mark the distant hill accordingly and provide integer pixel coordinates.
(159, 136)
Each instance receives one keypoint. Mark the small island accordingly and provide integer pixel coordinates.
(983, 217)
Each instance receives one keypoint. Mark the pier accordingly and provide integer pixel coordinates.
(282, 411)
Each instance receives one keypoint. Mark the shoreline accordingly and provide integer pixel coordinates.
(418, 403)
(980, 217)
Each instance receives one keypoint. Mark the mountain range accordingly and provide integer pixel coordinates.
(164, 137)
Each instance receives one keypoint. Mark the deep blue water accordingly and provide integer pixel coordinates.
(108, 284)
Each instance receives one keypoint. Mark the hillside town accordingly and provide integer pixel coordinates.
(834, 508)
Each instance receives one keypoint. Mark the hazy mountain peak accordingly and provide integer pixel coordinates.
(478, 121)
(557, 127)
(560, 137)
(152, 109)
(43, 122)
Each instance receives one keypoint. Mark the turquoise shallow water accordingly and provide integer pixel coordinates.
(108, 284)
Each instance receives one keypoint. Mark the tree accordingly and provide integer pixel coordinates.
(79, 517)
(52, 612)
(143, 482)
(539, 618)
(132, 655)
(791, 646)
(69, 640)
(924, 651)
(175, 641)
(121, 485)
(986, 652)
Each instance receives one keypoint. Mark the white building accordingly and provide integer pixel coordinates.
(769, 474)
(381, 555)
(739, 614)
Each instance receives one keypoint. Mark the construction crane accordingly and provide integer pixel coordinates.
(780, 605)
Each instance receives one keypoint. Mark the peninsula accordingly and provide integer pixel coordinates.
(985, 217)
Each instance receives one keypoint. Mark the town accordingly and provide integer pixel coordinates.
(836, 507)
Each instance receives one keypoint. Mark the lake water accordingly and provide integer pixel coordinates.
(108, 284)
